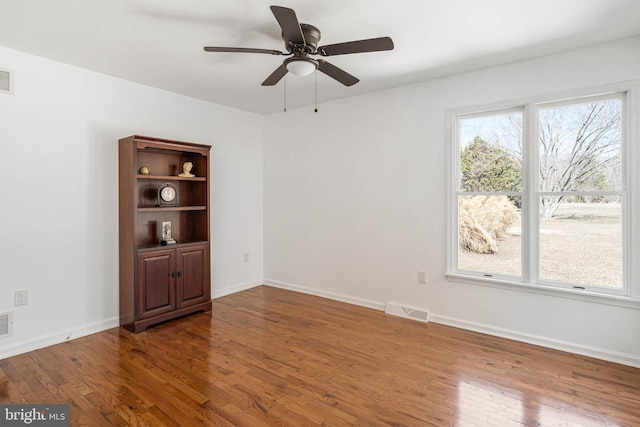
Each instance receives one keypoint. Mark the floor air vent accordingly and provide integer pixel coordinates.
(402, 310)
(6, 81)
(6, 323)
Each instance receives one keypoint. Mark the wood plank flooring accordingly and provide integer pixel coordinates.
(269, 357)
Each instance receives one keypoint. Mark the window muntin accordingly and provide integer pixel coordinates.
(588, 132)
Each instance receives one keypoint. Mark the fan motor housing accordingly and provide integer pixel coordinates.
(311, 39)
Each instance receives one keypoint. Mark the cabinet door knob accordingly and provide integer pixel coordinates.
(179, 273)
(173, 275)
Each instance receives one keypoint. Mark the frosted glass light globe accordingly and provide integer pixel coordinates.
(301, 67)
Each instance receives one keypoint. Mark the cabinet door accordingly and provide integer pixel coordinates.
(193, 282)
(156, 286)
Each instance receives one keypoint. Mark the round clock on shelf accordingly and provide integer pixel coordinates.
(167, 195)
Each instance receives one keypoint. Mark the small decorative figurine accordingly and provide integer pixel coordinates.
(186, 170)
(144, 170)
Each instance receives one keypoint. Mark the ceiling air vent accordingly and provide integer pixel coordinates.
(6, 81)
(6, 323)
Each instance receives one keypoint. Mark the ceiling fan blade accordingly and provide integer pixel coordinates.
(276, 76)
(289, 23)
(358, 46)
(336, 73)
(242, 50)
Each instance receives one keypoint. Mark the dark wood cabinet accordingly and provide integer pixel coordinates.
(160, 282)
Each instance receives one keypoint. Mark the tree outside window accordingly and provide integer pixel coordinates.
(574, 202)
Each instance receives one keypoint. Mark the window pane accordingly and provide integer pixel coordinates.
(580, 147)
(491, 153)
(489, 234)
(582, 242)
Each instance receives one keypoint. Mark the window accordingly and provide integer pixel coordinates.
(579, 197)
(490, 194)
(539, 196)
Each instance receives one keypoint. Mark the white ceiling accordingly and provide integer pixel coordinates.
(160, 42)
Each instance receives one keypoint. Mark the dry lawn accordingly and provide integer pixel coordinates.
(582, 245)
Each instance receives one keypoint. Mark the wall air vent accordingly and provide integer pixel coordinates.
(6, 81)
(403, 310)
(6, 324)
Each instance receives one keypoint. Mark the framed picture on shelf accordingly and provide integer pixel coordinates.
(167, 239)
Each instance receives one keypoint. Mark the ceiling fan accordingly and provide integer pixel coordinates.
(301, 41)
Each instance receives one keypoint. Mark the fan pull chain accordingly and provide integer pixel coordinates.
(285, 94)
(316, 99)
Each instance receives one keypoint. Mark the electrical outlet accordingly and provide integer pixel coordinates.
(21, 297)
(245, 257)
(423, 277)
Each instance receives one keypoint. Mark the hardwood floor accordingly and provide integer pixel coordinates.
(269, 357)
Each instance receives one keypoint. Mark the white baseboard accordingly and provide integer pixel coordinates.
(597, 353)
(58, 338)
(234, 289)
(329, 295)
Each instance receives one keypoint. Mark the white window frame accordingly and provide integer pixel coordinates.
(529, 281)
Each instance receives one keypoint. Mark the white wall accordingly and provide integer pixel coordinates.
(355, 203)
(354, 198)
(59, 211)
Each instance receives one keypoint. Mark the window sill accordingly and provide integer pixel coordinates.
(574, 294)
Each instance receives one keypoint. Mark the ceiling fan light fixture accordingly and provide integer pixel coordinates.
(301, 67)
(300, 41)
